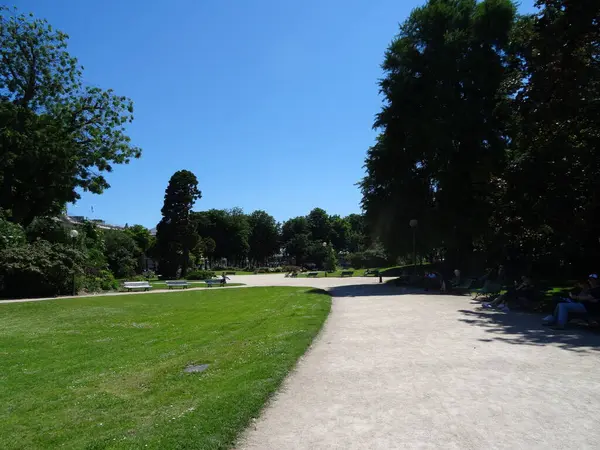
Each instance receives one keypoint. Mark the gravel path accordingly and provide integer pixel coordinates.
(429, 371)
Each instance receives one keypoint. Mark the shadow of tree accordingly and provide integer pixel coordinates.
(526, 329)
(360, 290)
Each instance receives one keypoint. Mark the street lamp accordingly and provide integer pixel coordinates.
(413, 224)
(73, 234)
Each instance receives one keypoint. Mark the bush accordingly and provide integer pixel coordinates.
(39, 269)
(104, 280)
(11, 234)
(288, 269)
(200, 275)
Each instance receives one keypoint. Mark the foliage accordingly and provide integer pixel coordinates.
(263, 240)
(549, 199)
(49, 229)
(103, 280)
(142, 237)
(319, 225)
(176, 234)
(448, 57)
(374, 256)
(56, 135)
(330, 261)
(229, 230)
(200, 275)
(121, 253)
(340, 233)
(39, 269)
(11, 234)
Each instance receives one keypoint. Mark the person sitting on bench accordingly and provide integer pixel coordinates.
(587, 302)
(524, 290)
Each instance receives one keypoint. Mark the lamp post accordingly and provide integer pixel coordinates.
(413, 224)
(73, 234)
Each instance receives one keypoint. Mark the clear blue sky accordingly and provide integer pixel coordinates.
(270, 103)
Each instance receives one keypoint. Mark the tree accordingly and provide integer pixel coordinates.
(264, 236)
(121, 253)
(550, 200)
(319, 225)
(56, 136)
(330, 262)
(176, 233)
(295, 236)
(340, 233)
(443, 131)
(142, 237)
(143, 241)
(358, 238)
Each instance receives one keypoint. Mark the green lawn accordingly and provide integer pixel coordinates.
(107, 372)
(163, 285)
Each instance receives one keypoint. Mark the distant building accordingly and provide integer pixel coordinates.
(79, 220)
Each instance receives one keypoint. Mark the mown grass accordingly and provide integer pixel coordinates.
(107, 372)
(162, 285)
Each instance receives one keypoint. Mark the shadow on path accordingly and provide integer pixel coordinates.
(363, 290)
(526, 329)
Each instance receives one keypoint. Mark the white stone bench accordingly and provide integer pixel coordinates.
(214, 281)
(177, 284)
(132, 285)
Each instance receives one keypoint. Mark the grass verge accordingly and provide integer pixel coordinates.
(107, 372)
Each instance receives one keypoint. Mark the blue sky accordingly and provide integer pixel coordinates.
(270, 103)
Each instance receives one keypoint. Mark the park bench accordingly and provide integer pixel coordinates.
(312, 274)
(132, 285)
(177, 284)
(373, 272)
(347, 273)
(213, 281)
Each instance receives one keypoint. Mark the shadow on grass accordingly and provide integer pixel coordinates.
(526, 329)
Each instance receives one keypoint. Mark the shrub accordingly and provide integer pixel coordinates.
(39, 269)
(200, 275)
(104, 280)
(11, 234)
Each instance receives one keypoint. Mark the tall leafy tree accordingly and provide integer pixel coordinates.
(121, 253)
(442, 134)
(296, 238)
(57, 136)
(319, 225)
(264, 236)
(552, 202)
(340, 233)
(176, 233)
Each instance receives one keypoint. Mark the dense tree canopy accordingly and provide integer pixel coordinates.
(56, 135)
(489, 134)
(263, 241)
(442, 135)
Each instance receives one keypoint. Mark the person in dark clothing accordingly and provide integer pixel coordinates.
(525, 290)
(587, 301)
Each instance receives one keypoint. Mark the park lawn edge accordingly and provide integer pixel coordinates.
(281, 366)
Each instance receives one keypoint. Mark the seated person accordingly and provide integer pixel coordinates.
(525, 290)
(587, 301)
(434, 279)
